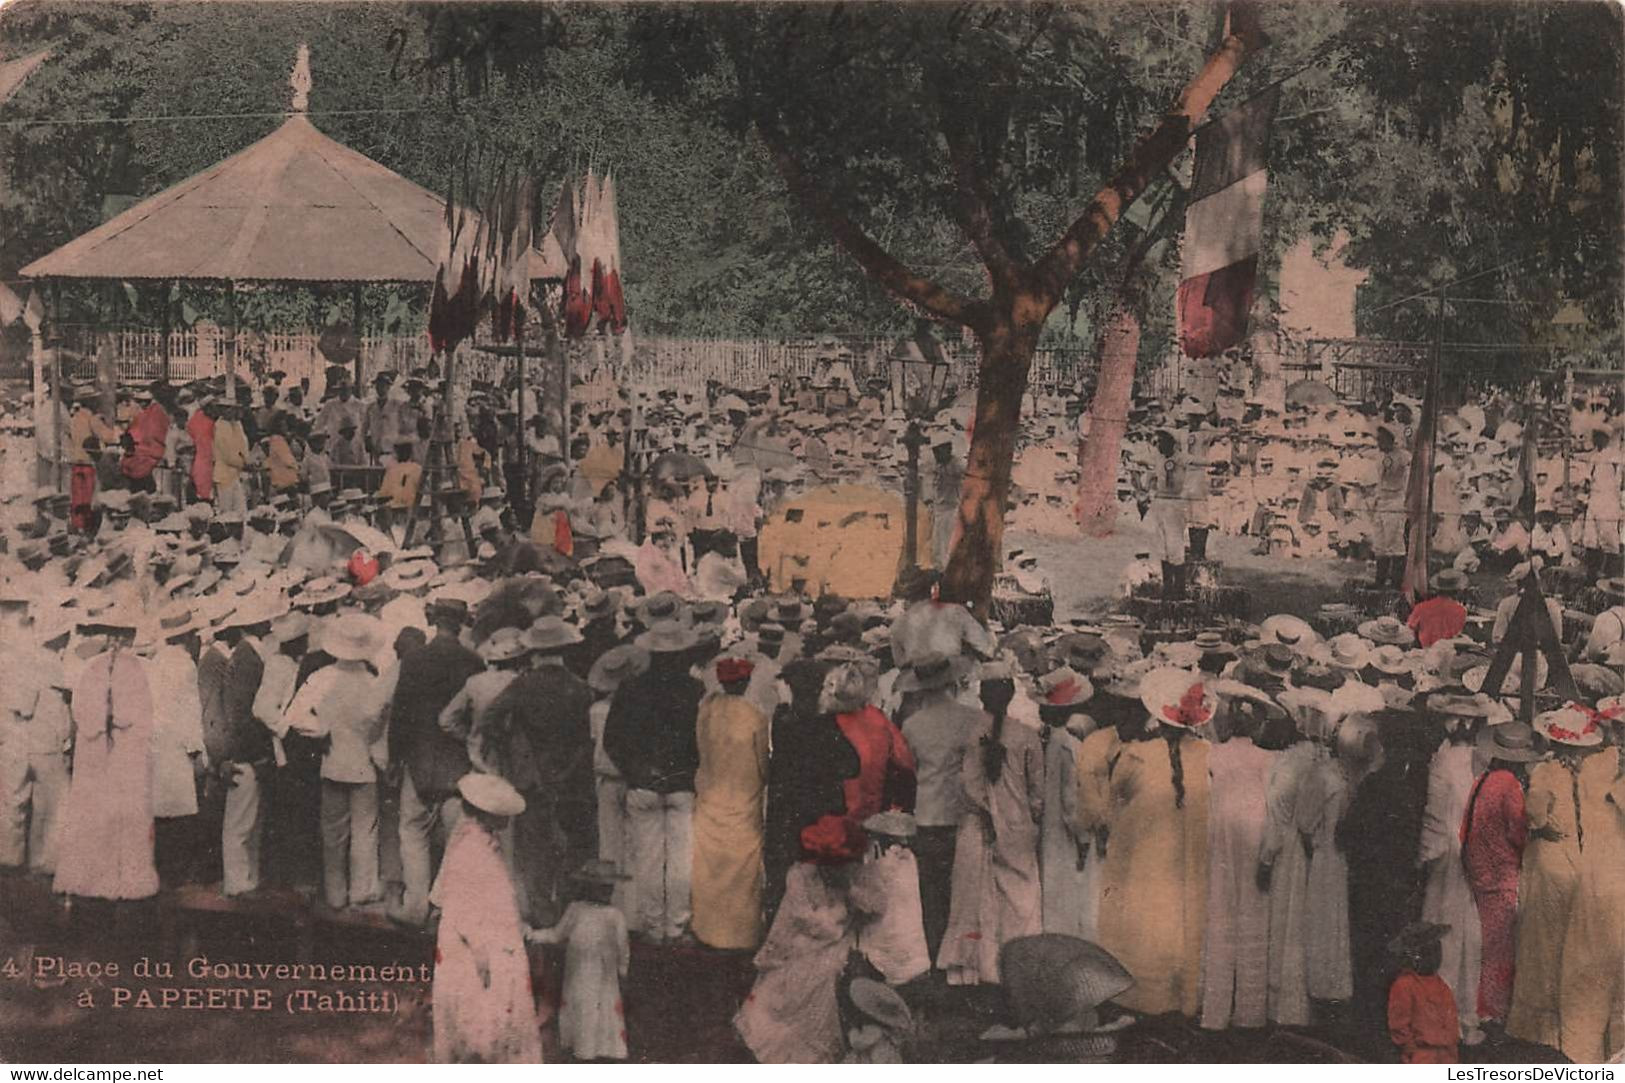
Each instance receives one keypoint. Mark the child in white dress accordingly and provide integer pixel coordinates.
(592, 1019)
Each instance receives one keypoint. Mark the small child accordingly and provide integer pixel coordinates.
(886, 893)
(592, 1021)
(1421, 1009)
(883, 1027)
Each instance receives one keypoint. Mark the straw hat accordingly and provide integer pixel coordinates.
(290, 626)
(1389, 659)
(1456, 705)
(1572, 724)
(616, 665)
(321, 591)
(1064, 687)
(1212, 642)
(1387, 629)
(1348, 651)
(1177, 697)
(353, 637)
(504, 645)
(1285, 628)
(1450, 579)
(880, 1003)
(490, 793)
(933, 670)
(551, 633)
(1512, 743)
(892, 823)
(664, 606)
(668, 637)
(410, 575)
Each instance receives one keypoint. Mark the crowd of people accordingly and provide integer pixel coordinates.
(586, 719)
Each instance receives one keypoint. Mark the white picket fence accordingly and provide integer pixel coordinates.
(653, 361)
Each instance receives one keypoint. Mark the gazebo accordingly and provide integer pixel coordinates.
(297, 207)
(294, 207)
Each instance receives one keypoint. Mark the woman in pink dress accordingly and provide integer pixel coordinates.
(106, 841)
(483, 1007)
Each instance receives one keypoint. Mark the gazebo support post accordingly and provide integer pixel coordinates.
(52, 317)
(37, 385)
(355, 321)
(163, 330)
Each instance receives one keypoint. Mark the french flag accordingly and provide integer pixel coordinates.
(1224, 225)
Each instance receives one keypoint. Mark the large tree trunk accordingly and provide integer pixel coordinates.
(1098, 454)
(1007, 357)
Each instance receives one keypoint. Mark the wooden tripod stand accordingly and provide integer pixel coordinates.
(1530, 633)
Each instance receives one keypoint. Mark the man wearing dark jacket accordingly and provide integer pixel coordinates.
(432, 760)
(546, 752)
(650, 737)
(239, 746)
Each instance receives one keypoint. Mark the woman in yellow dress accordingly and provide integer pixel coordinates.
(730, 791)
(1152, 815)
(1591, 999)
(1550, 874)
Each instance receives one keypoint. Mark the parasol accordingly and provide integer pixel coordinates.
(339, 344)
(318, 546)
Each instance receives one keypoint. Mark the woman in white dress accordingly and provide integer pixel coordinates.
(106, 841)
(1447, 898)
(996, 893)
(483, 1010)
(1065, 850)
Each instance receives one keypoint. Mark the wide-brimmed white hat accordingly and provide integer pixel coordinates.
(353, 637)
(1347, 651)
(322, 590)
(1387, 629)
(1390, 659)
(491, 793)
(1572, 724)
(1285, 628)
(504, 645)
(1178, 697)
(411, 575)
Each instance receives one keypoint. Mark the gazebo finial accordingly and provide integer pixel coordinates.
(300, 79)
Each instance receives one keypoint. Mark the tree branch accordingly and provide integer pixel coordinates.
(973, 199)
(1149, 158)
(882, 266)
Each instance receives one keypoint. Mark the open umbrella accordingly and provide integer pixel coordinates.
(1310, 392)
(317, 546)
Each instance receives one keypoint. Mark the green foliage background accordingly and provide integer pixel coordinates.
(1444, 138)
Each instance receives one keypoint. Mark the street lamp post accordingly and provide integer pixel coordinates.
(919, 379)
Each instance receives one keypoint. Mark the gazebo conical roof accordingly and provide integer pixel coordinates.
(297, 206)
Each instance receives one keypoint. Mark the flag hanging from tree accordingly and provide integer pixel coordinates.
(1224, 225)
(1419, 493)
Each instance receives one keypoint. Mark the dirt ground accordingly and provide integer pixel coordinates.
(679, 1001)
(1086, 573)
